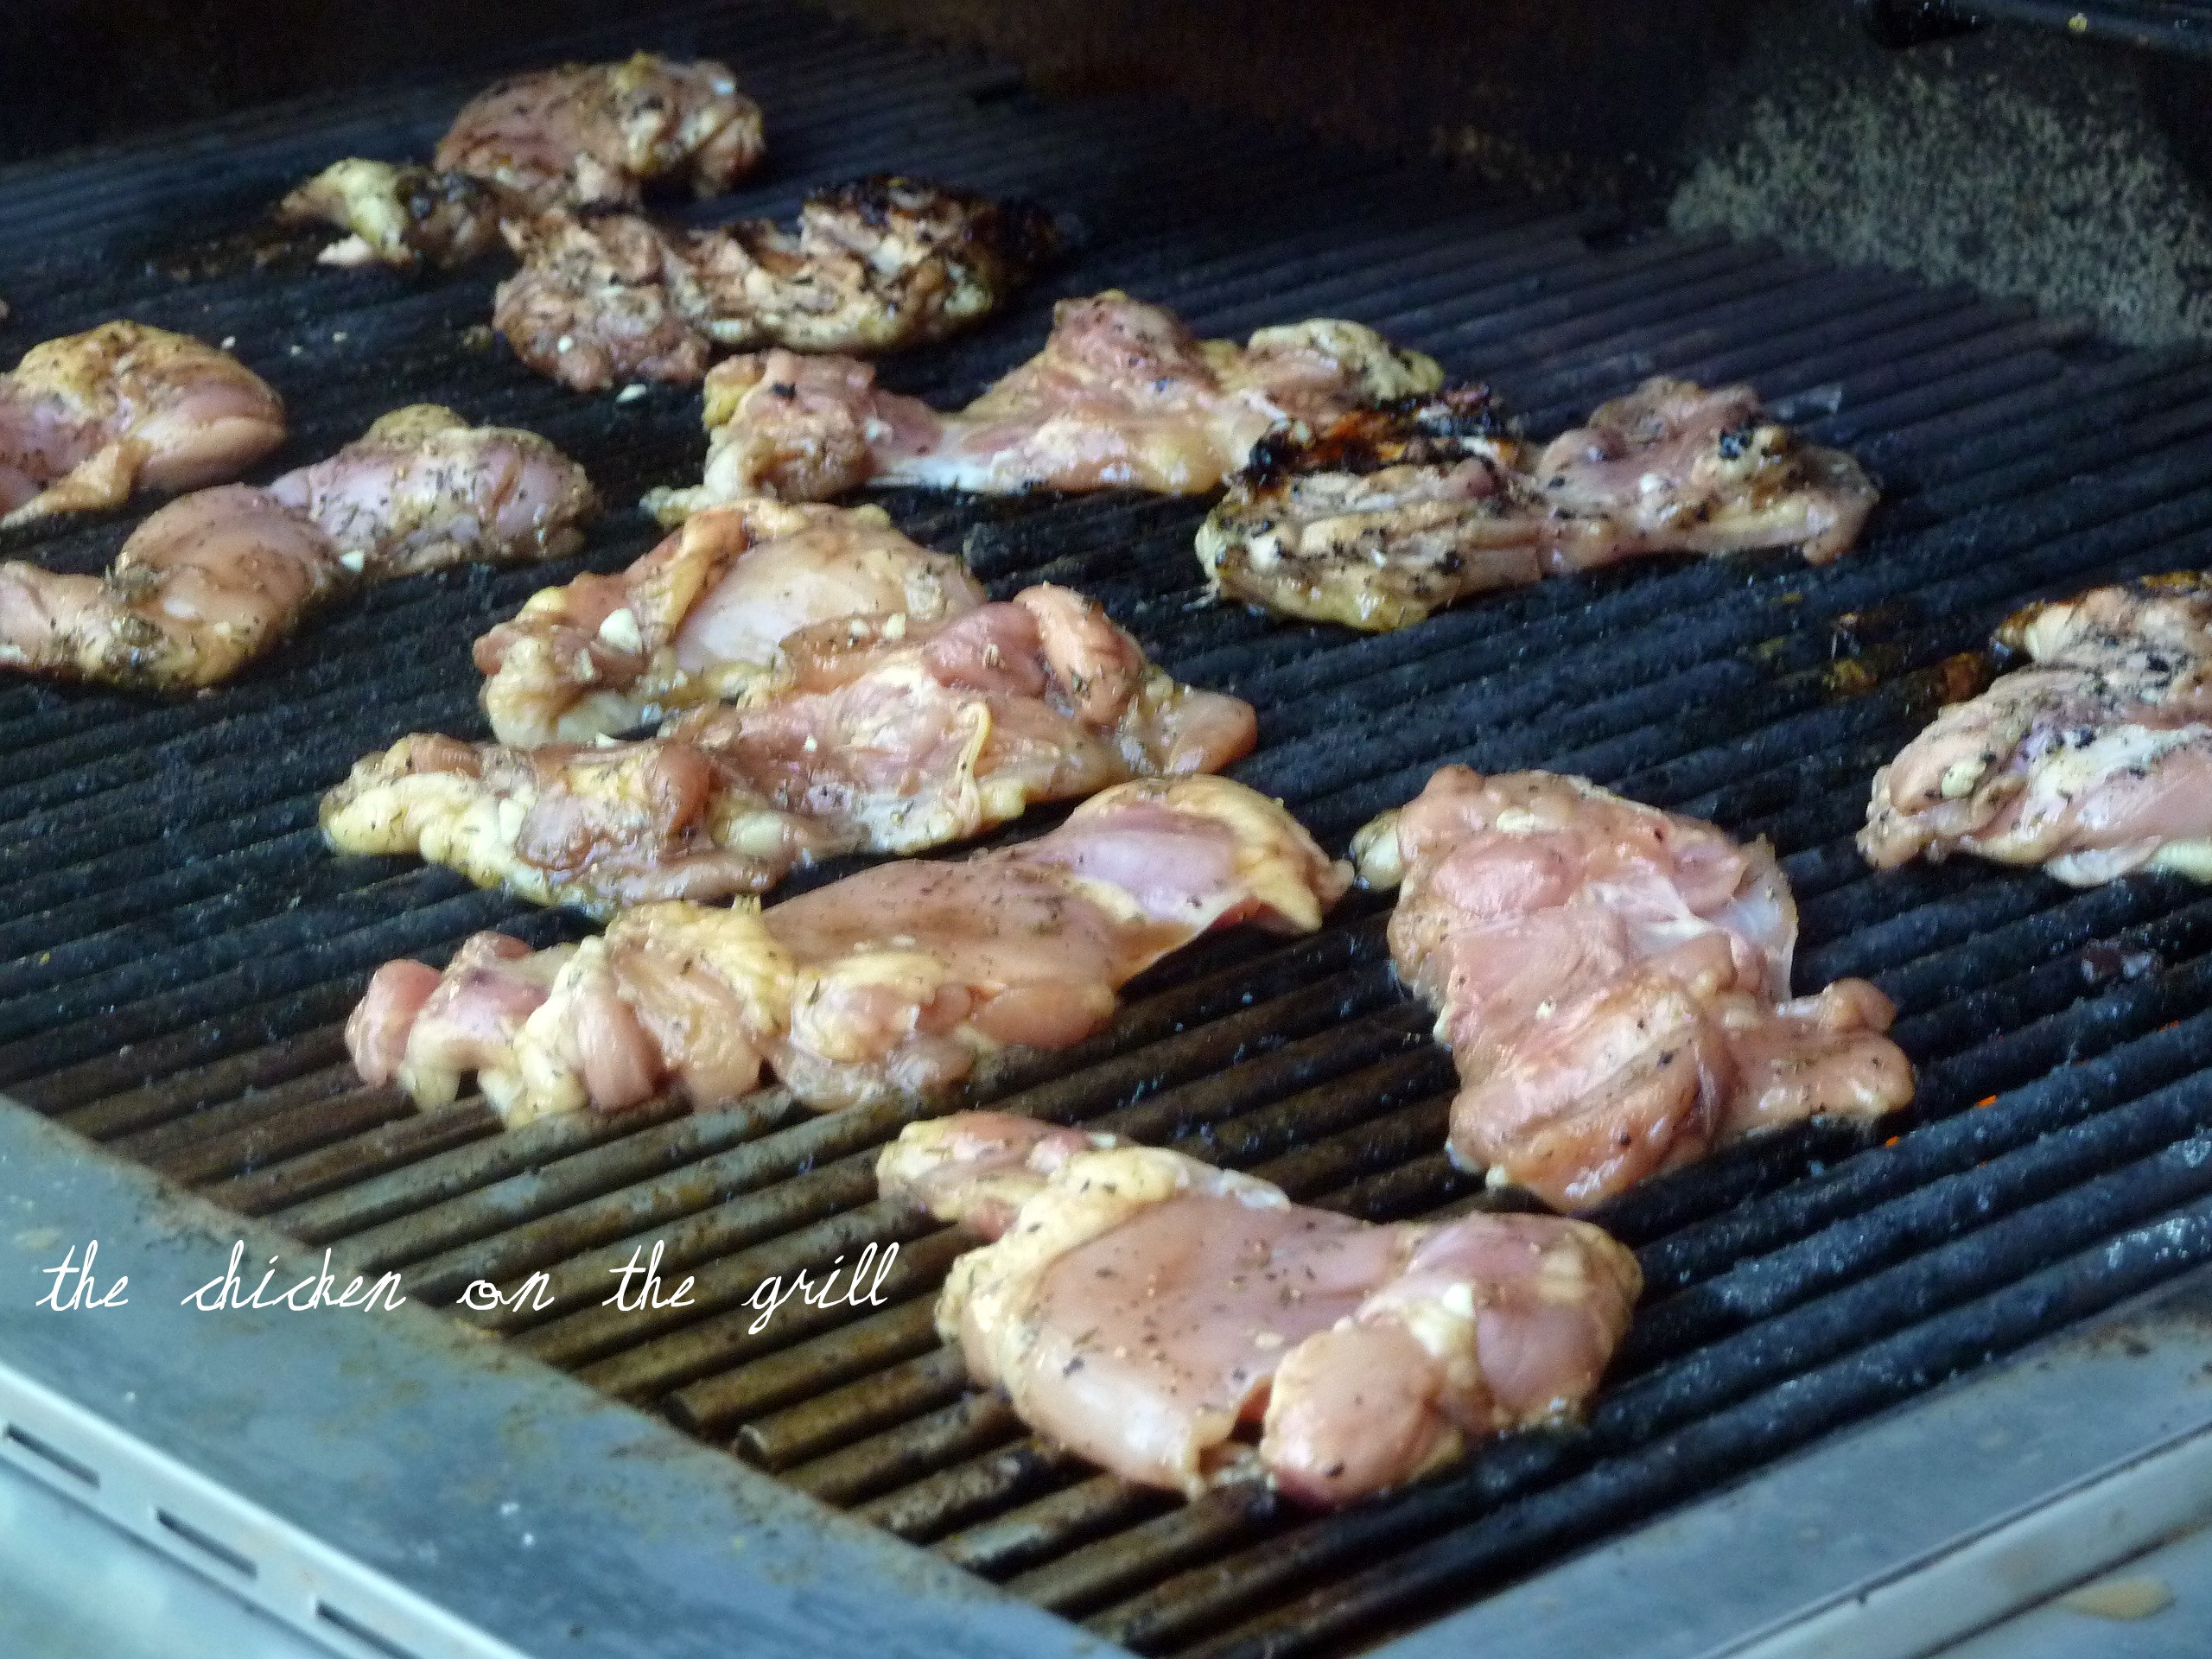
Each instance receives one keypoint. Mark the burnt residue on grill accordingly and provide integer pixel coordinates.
(177, 949)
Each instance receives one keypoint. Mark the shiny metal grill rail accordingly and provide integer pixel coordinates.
(177, 949)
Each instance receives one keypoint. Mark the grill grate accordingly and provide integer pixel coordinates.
(176, 950)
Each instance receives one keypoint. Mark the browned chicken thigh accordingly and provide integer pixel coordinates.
(882, 732)
(896, 981)
(2092, 759)
(875, 264)
(86, 420)
(1123, 395)
(221, 576)
(588, 135)
(1614, 983)
(1384, 515)
(1183, 1325)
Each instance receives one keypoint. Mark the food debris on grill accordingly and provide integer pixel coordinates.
(1382, 516)
(1614, 983)
(870, 733)
(875, 266)
(1149, 1311)
(702, 617)
(891, 983)
(581, 136)
(221, 576)
(2092, 759)
(87, 419)
(1122, 396)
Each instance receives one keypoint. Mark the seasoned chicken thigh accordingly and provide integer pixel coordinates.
(875, 264)
(1382, 516)
(87, 419)
(895, 981)
(1122, 396)
(702, 618)
(1614, 983)
(588, 135)
(876, 732)
(1151, 1312)
(221, 576)
(2092, 759)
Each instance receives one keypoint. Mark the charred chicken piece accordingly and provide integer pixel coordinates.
(400, 216)
(881, 734)
(2092, 759)
(1183, 1325)
(876, 264)
(582, 135)
(87, 419)
(221, 576)
(1614, 983)
(702, 618)
(1384, 515)
(1123, 395)
(897, 981)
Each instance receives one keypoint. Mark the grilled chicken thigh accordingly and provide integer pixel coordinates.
(1122, 396)
(1382, 516)
(218, 577)
(895, 981)
(2092, 761)
(581, 136)
(879, 733)
(1614, 983)
(876, 264)
(87, 419)
(702, 618)
(1150, 1312)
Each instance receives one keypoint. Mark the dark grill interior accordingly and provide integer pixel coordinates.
(177, 949)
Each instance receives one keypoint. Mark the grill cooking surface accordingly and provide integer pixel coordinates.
(177, 949)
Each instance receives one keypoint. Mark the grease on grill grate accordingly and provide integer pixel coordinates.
(176, 950)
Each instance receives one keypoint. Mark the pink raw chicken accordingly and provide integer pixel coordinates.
(1150, 1311)
(1613, 981)
(897, 981)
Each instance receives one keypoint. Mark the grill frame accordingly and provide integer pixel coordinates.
(1986, 418)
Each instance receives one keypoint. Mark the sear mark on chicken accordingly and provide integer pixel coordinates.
(875, 266)
(581, 136)
(1382, 516)
(219, 577)
(87, 419)
(895, 981)
(1613, 981)
(1122, 396)
(1151, 1312)
(702, 618)
(2092, 759)
(878, 732)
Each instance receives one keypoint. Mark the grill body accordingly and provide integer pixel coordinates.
(177, 949)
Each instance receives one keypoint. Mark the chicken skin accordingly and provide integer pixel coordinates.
(1151, 1311)
(1384, 515)
(2092, 759)
(875, 266)
(581, 136)
(219, 577)
(702, 618)
(1613, 981)
(86, 420)
(1123, 395)
(897, 981)
(879, 734)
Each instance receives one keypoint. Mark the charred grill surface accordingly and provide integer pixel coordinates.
(177, 949)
